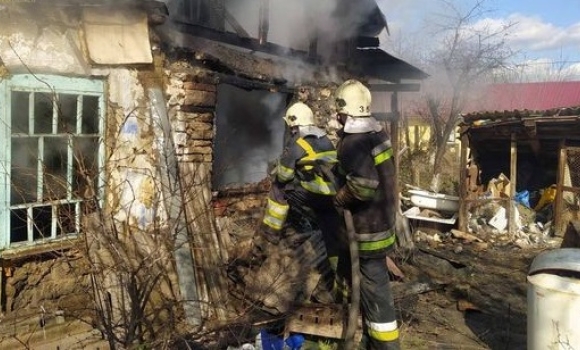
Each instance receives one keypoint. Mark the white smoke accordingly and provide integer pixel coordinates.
(293, 23)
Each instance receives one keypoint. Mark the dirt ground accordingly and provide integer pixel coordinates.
(458, 295)
(478, 298)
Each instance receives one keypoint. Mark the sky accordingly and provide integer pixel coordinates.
(545, 33)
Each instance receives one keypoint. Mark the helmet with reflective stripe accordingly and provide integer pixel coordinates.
(299, 114)
(353, 98)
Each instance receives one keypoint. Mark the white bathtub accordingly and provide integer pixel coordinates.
(435, 201)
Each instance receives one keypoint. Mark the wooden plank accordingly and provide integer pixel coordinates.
(462, 185)
(206, 251)
(558, 205)
(511, 212)
(323, 321)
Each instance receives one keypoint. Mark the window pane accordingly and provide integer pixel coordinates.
(90, 115)
(55, 168)
(18, 231)
(54, 151)
(85, 167)
(67, 113)
(19, 111)
(42, 217)
(66, 219)
(42, 113)
(23, 170)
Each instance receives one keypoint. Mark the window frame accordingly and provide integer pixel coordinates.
(52, 84)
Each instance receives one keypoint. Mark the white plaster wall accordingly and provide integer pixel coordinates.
(26, 45)
(131, 171)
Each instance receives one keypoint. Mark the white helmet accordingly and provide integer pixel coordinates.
(299, 114)
(353, 98)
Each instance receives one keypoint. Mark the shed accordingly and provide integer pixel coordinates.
(524, 141)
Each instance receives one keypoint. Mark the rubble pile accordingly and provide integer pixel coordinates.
(487, 215)
(271, 278)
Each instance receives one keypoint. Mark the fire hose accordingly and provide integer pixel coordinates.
(353, 309)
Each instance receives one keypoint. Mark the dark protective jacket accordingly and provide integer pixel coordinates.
(302, 160)
(299, 167)
(367, 175)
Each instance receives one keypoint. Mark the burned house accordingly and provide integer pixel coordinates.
(135, 137)
(520, 160)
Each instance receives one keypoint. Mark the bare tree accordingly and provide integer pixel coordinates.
(465, 54)
(539, 70)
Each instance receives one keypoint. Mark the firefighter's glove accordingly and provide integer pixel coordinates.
(343, 197)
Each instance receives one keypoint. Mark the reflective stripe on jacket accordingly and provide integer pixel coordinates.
(275, 215)
(302, 160)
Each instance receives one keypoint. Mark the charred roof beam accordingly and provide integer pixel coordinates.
(530, 128)
(238, 28)
(244, 42)
(399, 87)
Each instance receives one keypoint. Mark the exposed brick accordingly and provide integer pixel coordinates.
(199, 143)
(192, 116)
(199, 98)
(201, 135)
(197, 150)
(203, 117)
(195, 126)
(199, 86)
(195, 158)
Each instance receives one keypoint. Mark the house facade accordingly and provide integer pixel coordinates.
(121, 124)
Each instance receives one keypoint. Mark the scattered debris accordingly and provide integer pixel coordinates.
(394, 269)
(572, 235)
(464, 235)
(464, 305)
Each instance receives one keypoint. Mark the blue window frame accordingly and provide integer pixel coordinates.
(51, 156)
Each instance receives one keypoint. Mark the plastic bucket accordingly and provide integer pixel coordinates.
(554, 300)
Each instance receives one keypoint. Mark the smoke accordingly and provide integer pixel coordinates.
(249, 134)
(294, 23)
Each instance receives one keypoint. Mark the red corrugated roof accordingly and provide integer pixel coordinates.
(531, 96)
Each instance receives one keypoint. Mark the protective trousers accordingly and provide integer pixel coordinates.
(321, 211)
(325, 216)
(328, 221)
(380, 330)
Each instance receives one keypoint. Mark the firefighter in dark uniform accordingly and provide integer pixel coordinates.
(301, 183)
(366, 176)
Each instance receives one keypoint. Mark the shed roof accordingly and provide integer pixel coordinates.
(527, 96)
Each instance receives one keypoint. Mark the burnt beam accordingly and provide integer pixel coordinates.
(530, 127)
(414, 87)
(246, 43)
(248, 84)
(264, 21)
(367, 41)
(235, 24)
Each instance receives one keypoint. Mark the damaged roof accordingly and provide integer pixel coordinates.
(539, 116)
(539, 96)
(549, 110)
(364, 58)
(377, 63)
